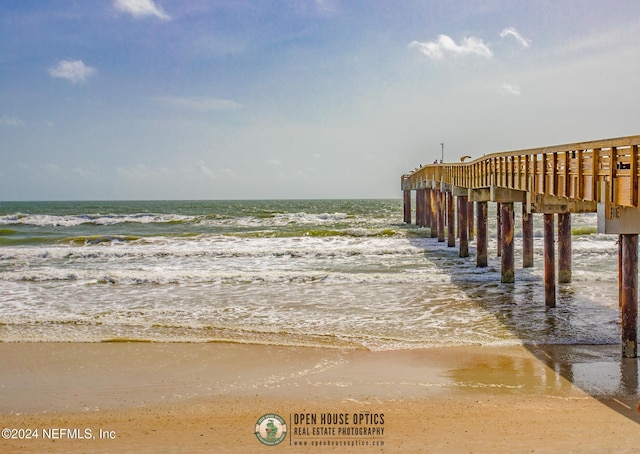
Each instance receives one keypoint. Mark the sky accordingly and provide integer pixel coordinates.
(311, 99)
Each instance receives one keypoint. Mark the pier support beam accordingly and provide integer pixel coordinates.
(463, 229)
(527, 238)
(424, 208)
(407, 206)
(451, 224)
(441, 215)
(507, 221)
(419, 205)
(629, 295)
(564, 248)
(549, 262)
(470, 220)
(434, 213)
(499, 228)
(427, 207)
(481, 230)
(620, 264)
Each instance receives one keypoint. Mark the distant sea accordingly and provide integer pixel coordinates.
(330, 273)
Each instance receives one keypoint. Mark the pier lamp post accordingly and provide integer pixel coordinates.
(442, 157)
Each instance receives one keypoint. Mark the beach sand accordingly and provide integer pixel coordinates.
(148, 397)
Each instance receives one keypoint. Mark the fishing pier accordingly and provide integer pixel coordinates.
(587, 177)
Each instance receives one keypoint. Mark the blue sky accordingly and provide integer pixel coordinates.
(242, 99)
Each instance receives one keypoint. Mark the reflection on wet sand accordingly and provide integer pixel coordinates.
(558, 371)
(597, 369)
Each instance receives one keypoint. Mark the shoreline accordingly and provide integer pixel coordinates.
(198, 397)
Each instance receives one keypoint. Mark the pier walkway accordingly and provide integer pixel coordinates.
(598, 176)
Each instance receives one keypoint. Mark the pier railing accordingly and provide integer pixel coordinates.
(585, 171)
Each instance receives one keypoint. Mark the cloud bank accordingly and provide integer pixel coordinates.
(74, 71)
(141, 9)
(444, 46)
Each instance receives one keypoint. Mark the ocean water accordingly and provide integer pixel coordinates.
(333, 273)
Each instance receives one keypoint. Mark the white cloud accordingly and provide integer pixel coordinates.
(510, 89)
(141, 9)
(201, 104)
(444, 46)
(140, 172)
(510, 31)
(326, 6)
(73, 70)
(80, 172)
(229, 172)
(88, 170)
(51, 169)
(204, 170)
(11, 121)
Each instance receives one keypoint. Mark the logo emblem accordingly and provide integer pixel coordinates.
(271, 429)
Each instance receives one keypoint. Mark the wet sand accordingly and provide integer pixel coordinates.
(146, 397)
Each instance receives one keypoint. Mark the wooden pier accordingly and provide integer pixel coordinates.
(598, 176)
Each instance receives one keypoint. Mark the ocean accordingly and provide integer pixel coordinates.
(328, 273)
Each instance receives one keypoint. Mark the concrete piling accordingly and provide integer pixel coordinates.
(564, 248)
(507, 256)
(481, 230)
(549, 262)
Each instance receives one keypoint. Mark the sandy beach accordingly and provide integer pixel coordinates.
(146, 397)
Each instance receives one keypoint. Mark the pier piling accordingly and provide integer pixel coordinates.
(463, 230)
(507, 257)
(451, 224)
(407, 206)
(564, 248)
(434, 213)
(470, 221)
(629, 300)
(419, 206)
(620, 264)
(441, 215)
(499, 228)
(481, 242)
(527, 238)
(427, 207)
(549, 262)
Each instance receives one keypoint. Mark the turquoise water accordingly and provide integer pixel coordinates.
(335, 273)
